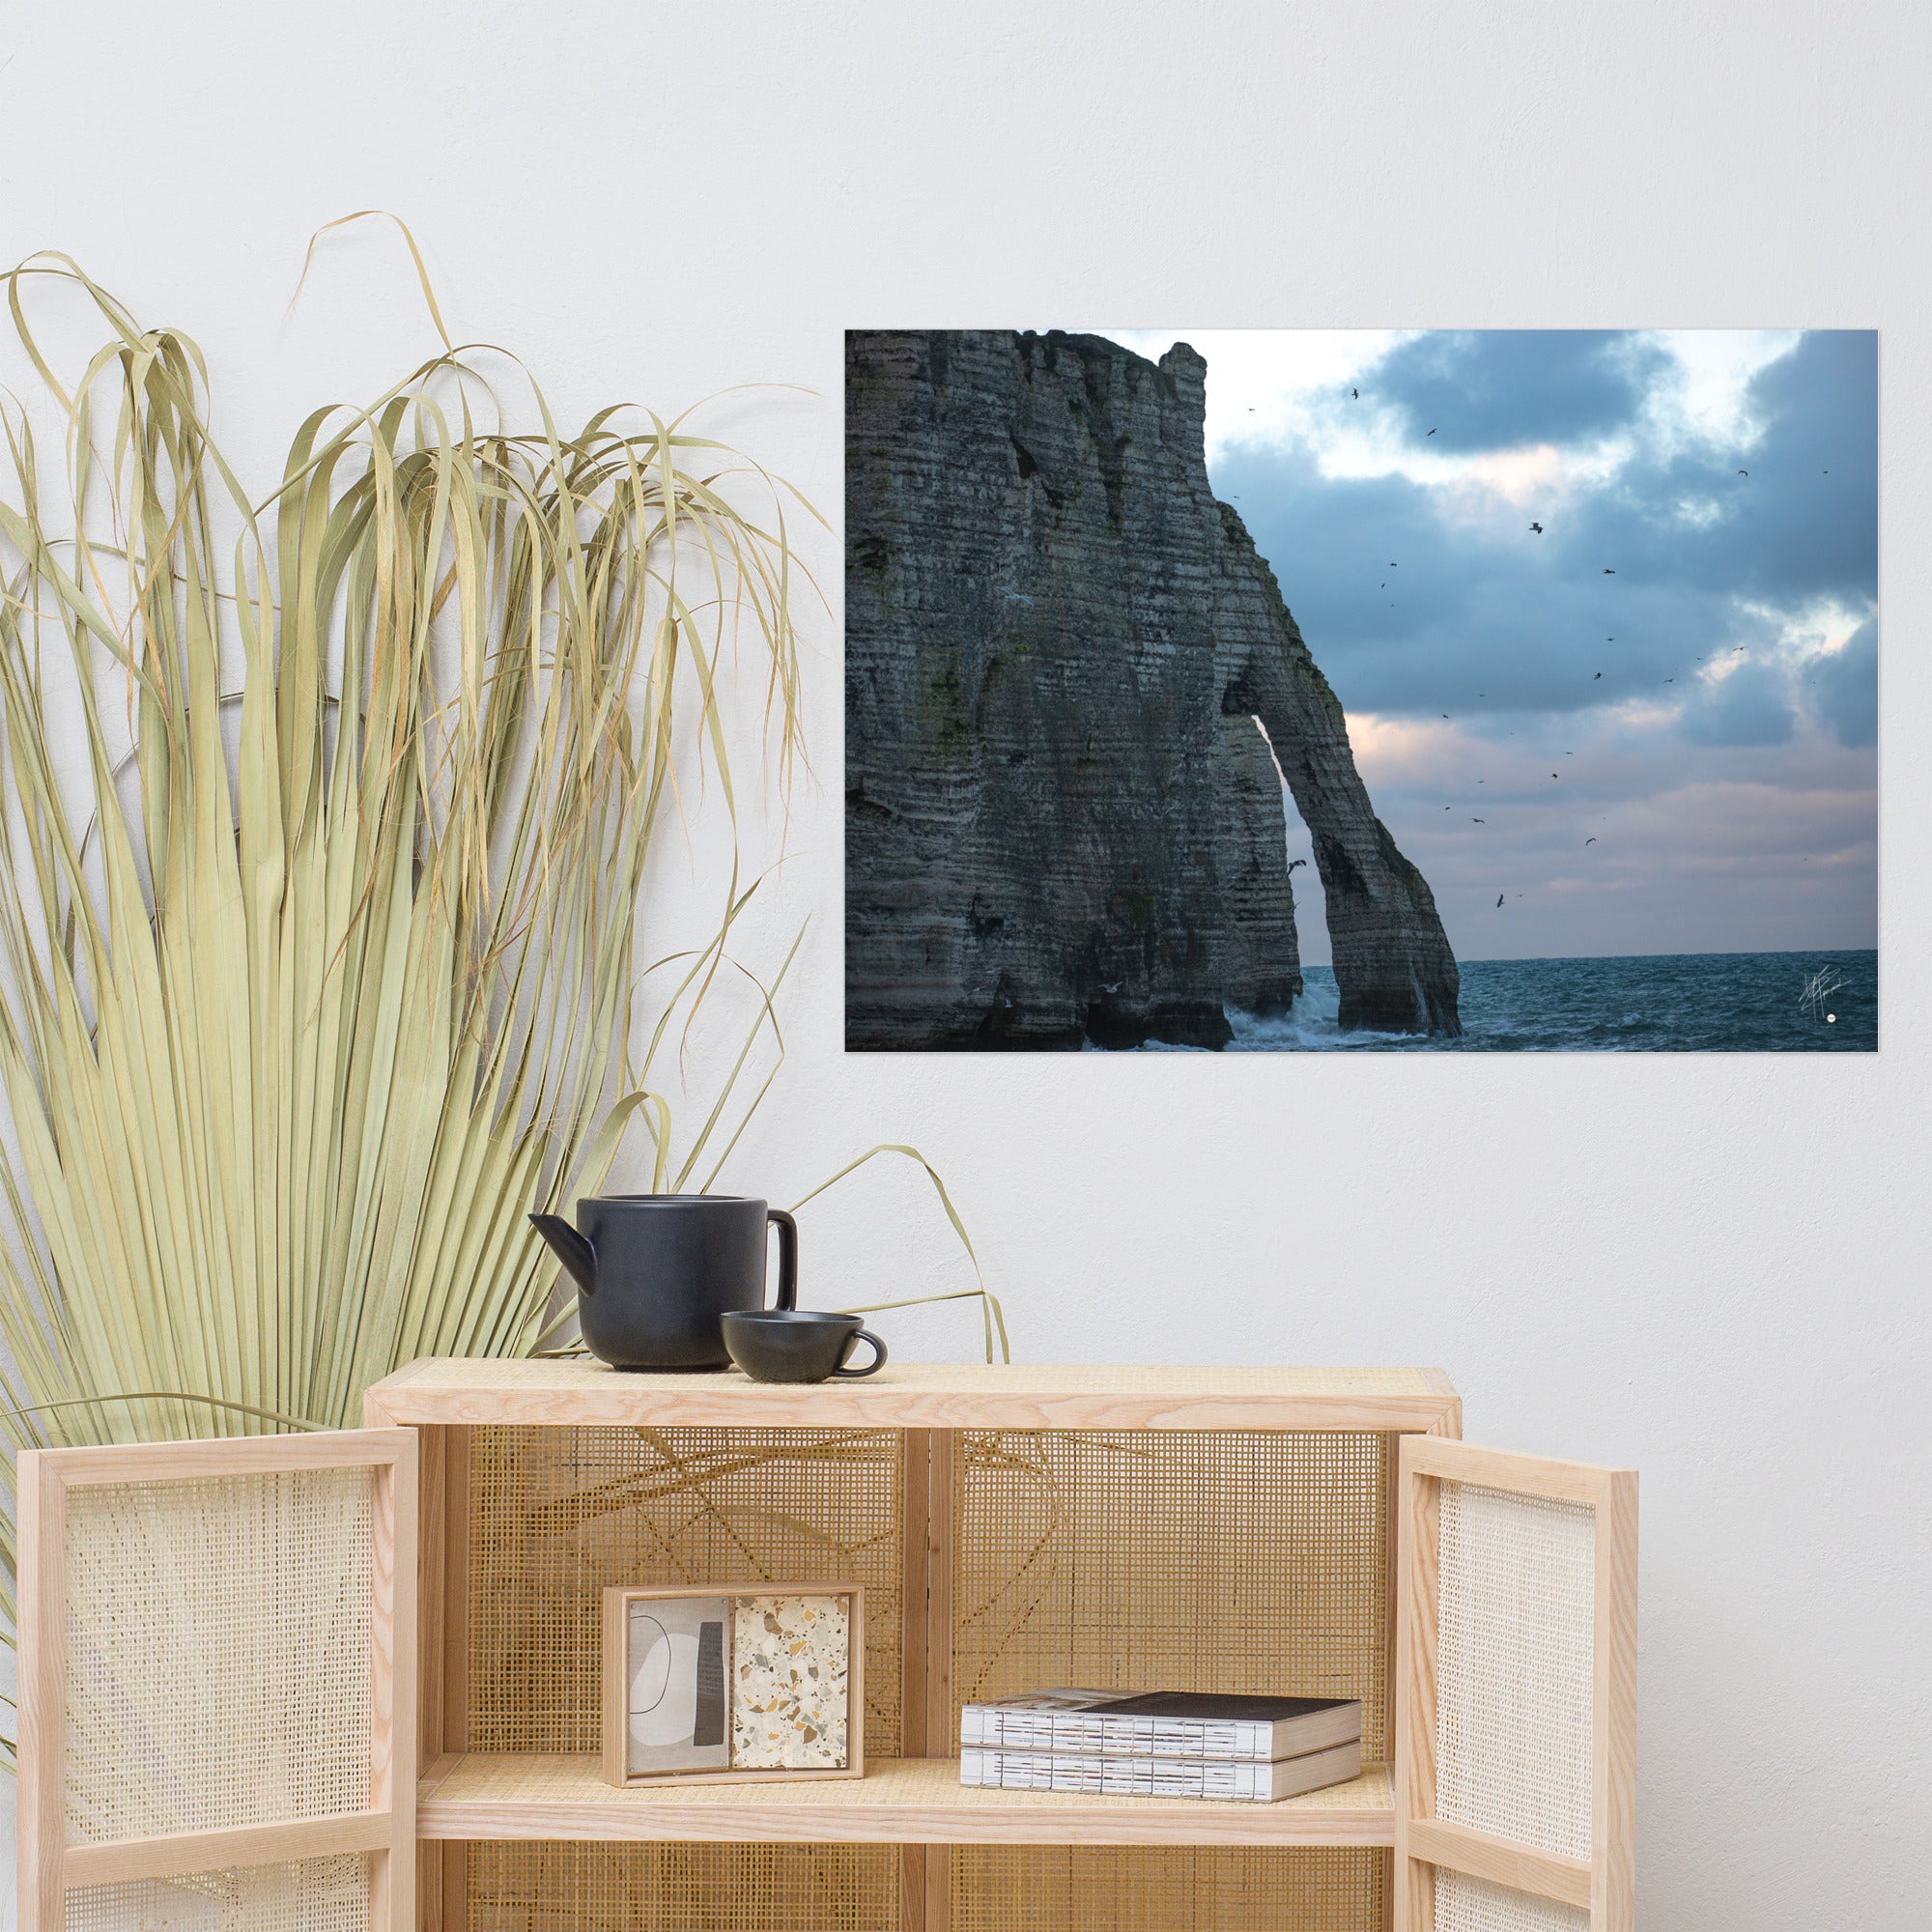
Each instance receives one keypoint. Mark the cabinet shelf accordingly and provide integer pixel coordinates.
(918, 1395)
(898, 1801)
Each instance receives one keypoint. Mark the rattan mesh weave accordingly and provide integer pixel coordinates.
(313, 1895)
(1173, 1560)
(539, 1887)
(1515, 1650)
(558, 1514)
(1122, 1888)
(1465, 1904)
(218, 1652)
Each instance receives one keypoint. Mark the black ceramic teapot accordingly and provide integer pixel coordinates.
(655, 1272)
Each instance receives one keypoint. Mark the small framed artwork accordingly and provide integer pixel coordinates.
(764, 1684)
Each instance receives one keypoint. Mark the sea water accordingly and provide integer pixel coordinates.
(1666, 1003)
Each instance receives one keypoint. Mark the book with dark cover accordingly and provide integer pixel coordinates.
(1162, 1723)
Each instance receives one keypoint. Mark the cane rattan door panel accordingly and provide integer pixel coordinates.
(1516, 1693)
(217, 1705)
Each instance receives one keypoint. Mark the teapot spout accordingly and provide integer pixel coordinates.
(569, 1248)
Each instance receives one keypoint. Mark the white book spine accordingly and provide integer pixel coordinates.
(1116, 1776)
(1012, 1728)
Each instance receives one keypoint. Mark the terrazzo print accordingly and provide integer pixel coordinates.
(789, 1686)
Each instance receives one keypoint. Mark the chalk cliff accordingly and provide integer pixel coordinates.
(1063, 820)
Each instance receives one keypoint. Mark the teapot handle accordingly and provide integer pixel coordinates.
(788, 1257)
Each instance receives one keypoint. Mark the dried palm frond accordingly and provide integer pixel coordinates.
(318, 973)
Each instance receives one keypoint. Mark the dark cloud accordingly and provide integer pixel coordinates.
(1496, 388)
(1410, 612)
(1844, 687)
(1801, 525)
(1751, 706)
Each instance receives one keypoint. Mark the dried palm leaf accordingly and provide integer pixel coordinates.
(320, 973)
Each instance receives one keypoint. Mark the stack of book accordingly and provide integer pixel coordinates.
(1163, 1743)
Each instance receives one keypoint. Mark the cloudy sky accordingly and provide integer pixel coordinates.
(1707, 714)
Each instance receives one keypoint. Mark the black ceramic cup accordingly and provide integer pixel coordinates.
(795, 1344)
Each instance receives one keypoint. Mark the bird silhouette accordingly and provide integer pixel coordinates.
(1430, 433)
(1610, 573)
(1445, 718)
(1356, 393)
(1293, 862)
(1744, 472)
(1537, 527)
(1594, 679)
(1479, 821)
(1589, 841)
(1552, 775)
(1499, 898)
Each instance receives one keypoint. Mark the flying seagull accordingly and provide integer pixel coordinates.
(1499, 898)
(1589, 841)
(1293, 862)
(1537, 527)
(1479, 821)
(1426, 438)
(1610, 573)
(1744, 472)
(1356, 393)
(1594, 679)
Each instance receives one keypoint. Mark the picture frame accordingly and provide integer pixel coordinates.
(737, 1682)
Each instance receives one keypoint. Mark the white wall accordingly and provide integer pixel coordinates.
(1711, 1269)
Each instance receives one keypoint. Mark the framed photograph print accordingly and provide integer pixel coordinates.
(759, 1684)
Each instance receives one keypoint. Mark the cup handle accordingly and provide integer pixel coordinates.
(788, 1257)
(873, 1367)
